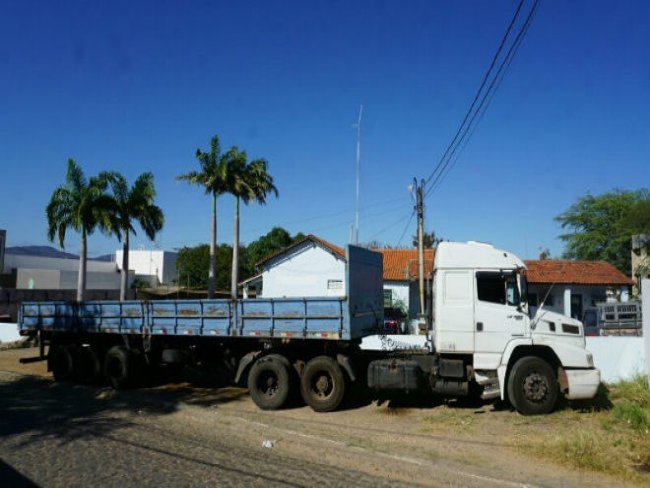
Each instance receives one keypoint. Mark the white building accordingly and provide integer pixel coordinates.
(155, 266)
(311, 267)
(46, 273)
(315, 267)
(54, 273)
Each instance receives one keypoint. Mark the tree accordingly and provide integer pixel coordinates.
(599, 229)
(135, 203)
(637, 218)
(192, 266)
(247, 182)
(213, 178)
(82, 205)
(429, 240)
(276, 239)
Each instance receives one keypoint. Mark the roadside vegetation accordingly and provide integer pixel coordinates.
(610, 435)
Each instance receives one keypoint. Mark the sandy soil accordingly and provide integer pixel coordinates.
(217, 435)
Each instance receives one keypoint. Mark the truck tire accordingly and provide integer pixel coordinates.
(62, 363)
(118, 367)
(88, 366)
(322, 384)
(269, 382)
(532, 386)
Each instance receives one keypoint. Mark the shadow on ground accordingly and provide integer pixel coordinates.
(42, 407)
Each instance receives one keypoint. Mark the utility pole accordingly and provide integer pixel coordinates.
(419, 208)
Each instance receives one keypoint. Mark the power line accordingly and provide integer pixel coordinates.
(406, 227)
(478, 92)
(487, 95)
(481, 112)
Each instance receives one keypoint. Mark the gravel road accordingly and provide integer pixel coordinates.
(68, 435)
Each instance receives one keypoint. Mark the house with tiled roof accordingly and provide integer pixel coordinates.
(315, 267)
(570, 287)
(309, 267)
(401, 284)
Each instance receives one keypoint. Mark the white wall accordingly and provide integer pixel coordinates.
(400, 290)
(9, 332)
(645, 311)
(16, 261)
(618, 358)
(302, 272)
(52, 279)
(154, 262)
(589, 294)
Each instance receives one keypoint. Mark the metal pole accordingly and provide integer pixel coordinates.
(356, 216)
(420, 214)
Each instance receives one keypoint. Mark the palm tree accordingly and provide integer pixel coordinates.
(247, 181)
(212, 178)
(82, 205)
(135, 203)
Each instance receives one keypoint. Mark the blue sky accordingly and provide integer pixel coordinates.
(138, 86)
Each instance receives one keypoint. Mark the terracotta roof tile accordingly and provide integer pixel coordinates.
(575, 272)
(402, 264)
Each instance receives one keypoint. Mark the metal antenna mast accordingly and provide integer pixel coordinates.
(356, 214)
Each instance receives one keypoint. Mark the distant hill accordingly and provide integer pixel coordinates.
(109, 258)
(50, 252)
(41, 251)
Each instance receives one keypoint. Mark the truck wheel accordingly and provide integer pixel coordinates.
(322, 384)
(62, 363)
(117, 367)
(88, 366)
(269, 382)
(532, 386)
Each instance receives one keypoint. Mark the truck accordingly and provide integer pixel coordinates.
(479, 340)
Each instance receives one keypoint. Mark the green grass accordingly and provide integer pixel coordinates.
(612, 437)
(631, 401)
(457, 419)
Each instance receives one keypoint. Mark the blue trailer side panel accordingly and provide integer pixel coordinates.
(365, 292)
(350, 317)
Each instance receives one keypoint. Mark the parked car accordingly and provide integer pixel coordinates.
(394, 321)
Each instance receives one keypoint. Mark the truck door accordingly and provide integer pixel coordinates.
(496, 314)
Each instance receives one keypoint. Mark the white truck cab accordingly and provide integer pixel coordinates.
(480, 312)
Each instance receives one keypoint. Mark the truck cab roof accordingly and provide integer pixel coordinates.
(474, 255)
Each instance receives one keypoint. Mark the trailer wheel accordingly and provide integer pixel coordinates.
(532, 386)
(322, 384)
(62, 363)
(117, 367)
(88, 366)
(269, 382)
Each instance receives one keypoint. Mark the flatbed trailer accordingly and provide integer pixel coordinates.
(272, 340)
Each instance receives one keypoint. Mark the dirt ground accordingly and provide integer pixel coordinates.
(57, 434)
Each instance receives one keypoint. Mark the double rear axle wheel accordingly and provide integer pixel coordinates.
(85, 364)
(271, 380)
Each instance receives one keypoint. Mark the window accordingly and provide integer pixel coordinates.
(334, 284)
(497, 288)
(532, 299)
(490, 287)
(388, 298)
(576, 306)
